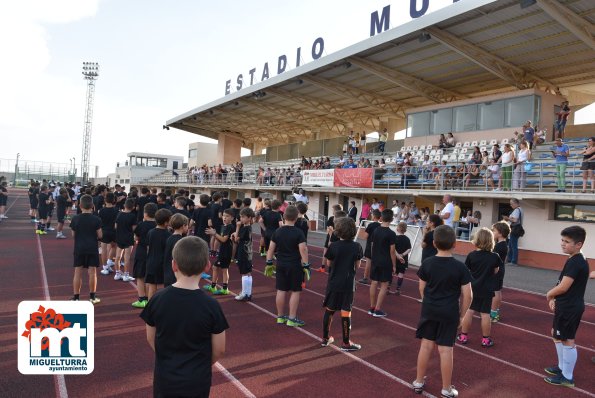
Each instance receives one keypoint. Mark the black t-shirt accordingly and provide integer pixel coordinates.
(271, 221)
(226, 204)
(501, 249)
(226, 248)
(402, 244)
(61, 205)
(370, 231)
(108, 217)
(216, 211)
(287, 240)
(573, 300)
(383, 239)
(236, 214)
(85, 226)
(125, 223)
(343, 255)
(333, 237)
(180, 211)
(169, 278)
(444, 277)
(201, 217)
(140, 206)
(429, 250)
(183, 346)
(245, 244)
(98, 202)
(120, 199)
(482, 264)
(302, 224)
(157, 238)
(43, 198)
(142, 232)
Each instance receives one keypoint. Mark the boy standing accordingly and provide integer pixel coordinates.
(108, 215)
(224, 256)
(501, 231)
(442, 280)
(567, 300)
(302, 221)
(63, 203)
(345, 256)
(403, 248)
(216, 222)
(368, 235)
(125, 225)
(43, 209)
(289, 243)
(156, 239)
(427, 243)
(139, 269)
(179, 224)
(186, 341)
(243, 238)
(270, 221)
(86, 230)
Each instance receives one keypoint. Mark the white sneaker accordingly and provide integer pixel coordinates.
(3, 216)
(110, 263)
(127, 278)
(106, 270)
(122, 263)
(118, 276)
(240, 297)
(450, 393)
(50, 229)
(60, 236)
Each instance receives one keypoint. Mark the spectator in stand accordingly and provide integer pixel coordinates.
(562, 117)
(588, 165)
(507, 161)
(441, 177)
(561, 152)
(496, 153)
(362, 142)
(450, 141)
(473, 174)
(539, 137)
(492, 174)
(485, 158)
(350, 164)
(475, 156)
(356, 144)
(382, 138)
(529, 132)
(519, 180)
(515, 138)
(442, 142)
(345, 148)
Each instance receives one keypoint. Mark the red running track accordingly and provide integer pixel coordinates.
(267, 360)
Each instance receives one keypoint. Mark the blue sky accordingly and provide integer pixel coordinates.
(158, 59)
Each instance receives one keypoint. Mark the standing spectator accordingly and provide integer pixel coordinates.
(352, 211)
(362, 142)
(448, 212)
(562, 117)
(507, 161)
(529, 132)
(588, 165)
(561, 152)
(382, 141)
(520, 176)
(366, 208)
(450, 141)
(516, 230)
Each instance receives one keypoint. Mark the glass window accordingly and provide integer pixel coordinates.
(418, 124)
(574, 212)
(490, 115)
(441, 121)
(191, 153)
(464, 118)
(519, 110)
(163, 163)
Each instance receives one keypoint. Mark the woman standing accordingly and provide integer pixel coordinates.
(366, 208)
(507, 166)
(588, 165)
(362, 143)
(520, 176)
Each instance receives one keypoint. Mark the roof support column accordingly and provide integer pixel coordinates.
(228, 149)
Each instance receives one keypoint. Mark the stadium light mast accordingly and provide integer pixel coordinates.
(90, 74)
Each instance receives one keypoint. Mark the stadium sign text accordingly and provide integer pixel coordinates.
(379, 22)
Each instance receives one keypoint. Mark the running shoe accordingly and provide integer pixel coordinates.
(60, 236)
(327, 342)
(106, 270)
(364, 281)
(418, 386)
(487, 342)
(450, 393)
(127, 278)
(398, 292)
(221, 292)
(51, 228)
(462, 338)
(140, 304)
(379, 314)
(243, 297)
(295, 322)
(204, 275)
(371, 311)
(351, 347)
(554, 371)
(110, 262)
(495, 318)
(118, 276)
(282, 319)
(321, 269)
(74, 299)
(95, 300)
(559, 380)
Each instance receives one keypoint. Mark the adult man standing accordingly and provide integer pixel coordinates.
(448, 212)
(561, 152)
(529, 132)
(562, 117)
(352, 211)
(382, 140)
(396, 210)
(516, 224)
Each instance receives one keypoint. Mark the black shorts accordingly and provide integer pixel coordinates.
(139, 268)
(267, 242)
(124, 245)
(566, 324)
(326, 242)
(154, 274)
(442, 333)
(289, 279)
(481, 304)
(43, 213)
(499, 283)
(61, 216)
(586, 165)
(50, 211)
(86, 260)
(34, 204)
(381, 274)
(108, 236)
(223, 263)
(401, 268)
(245, 267)
(338, 301)
(367, 251)
(3, 200)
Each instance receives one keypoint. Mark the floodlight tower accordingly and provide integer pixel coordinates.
(90, 74)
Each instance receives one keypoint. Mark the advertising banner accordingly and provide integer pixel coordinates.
(354, 178)
(322, 178)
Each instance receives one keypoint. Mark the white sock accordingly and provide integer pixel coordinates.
(244, 283)
(560, 352)
(570, 356)
(248, 291)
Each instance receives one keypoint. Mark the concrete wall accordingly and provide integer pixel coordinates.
(206, 153)
(229, 149)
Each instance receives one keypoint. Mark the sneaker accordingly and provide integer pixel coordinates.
(105, 271)
(127, 278)
(463, 338)
(321, 269)
(327, 342)
(559, 380)
(74, 299)
(371, 311)
(351, 347)
(418, 387)
(243, 297)
(554, 371)
(487, 342)
(95, 300)
(495, 318)
(51, 228)
(379, 314)
(450, 393)
(118, 276)
(209, 288)
(110, 263)
(221, 292)
(295, 322)
(282, 319)
(204, 275)
(398, 292)
(60, 236)
(364, 281)
(140, 304)
(263, 254)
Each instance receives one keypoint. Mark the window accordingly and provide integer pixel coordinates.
(519, 110)
(576, 212)
(441, 121)
(191, 153)
(490, 115)
(464, 118)
(418, 124)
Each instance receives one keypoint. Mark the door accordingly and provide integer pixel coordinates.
(175, 164)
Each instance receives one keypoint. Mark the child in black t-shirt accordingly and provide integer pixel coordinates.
(236, 208)
(428, 248)
(484, 265)
(179, 224)
(108, 215)
(185, 327)
(86, 230)
(384, 262)
(221, 269)
(368, 235)
(139, 270)
(501, 230)
(302, 220)
(216, 222)
(243, 238)
(345, 256)
(125, 225)
(270, 221)
(3, 199)
(567, 301)
(202, 218)
(403, 248)
(43, 209)
(157, 239)
(63, 202)
(442, 281)
(292, 268)
(330, 225)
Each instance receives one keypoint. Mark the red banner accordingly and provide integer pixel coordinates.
(354, 178)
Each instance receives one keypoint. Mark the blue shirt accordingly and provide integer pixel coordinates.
(529, 133)
(350, 166)
(558, 150)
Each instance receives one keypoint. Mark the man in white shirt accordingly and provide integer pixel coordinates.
(448, 212)
(396, 210)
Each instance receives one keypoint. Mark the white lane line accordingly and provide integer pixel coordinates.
(12, 204)
(59, 381)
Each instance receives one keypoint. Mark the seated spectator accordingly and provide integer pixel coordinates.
(492, 174)
(467, 224)
(475, 156)
(441, 175)
(515, 138)
(485, 158)
(539, 137)
(473, 174)
(350, 164)
(341, 162)
(442, 142)
(450, 141)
